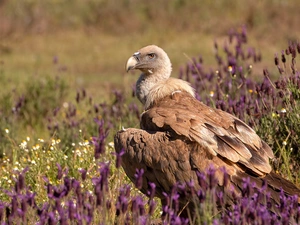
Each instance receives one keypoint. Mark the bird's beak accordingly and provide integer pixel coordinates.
(132, 62)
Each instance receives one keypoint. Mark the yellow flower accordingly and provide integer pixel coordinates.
(36, 147)
(53, 142)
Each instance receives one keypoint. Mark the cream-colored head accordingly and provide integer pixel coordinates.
(154, 82)
(151, 60)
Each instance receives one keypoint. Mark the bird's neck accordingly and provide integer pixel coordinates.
(144, 85)
(151, 88)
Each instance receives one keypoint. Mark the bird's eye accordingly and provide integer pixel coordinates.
(151, 56)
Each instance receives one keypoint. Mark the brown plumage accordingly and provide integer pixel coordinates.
(180, 135)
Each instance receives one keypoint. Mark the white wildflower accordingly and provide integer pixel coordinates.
(23, 145)
(65, 105)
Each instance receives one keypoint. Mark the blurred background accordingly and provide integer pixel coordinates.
(89, 41)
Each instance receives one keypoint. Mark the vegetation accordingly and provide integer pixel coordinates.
(63, 98)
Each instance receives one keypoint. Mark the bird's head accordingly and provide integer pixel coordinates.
(150, 59)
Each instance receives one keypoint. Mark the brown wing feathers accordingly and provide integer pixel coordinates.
(209, 128)
(160, 158)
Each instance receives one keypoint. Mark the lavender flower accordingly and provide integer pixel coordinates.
(119, 157)
(99, 142)
(139, 178)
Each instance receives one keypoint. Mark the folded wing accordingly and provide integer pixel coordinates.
(220, 133)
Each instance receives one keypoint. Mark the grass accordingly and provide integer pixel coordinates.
(95, 61)
(51, 52)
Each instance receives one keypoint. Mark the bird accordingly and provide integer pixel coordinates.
(180, 136)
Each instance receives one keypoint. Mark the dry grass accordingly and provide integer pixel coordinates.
(95, 61)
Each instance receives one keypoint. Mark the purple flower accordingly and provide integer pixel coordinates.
(123, 201)
(83, 174)
(59, 171)
(99, 142)
(139, 178)
(119, 157)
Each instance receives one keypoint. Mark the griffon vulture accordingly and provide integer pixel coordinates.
(180, 135)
